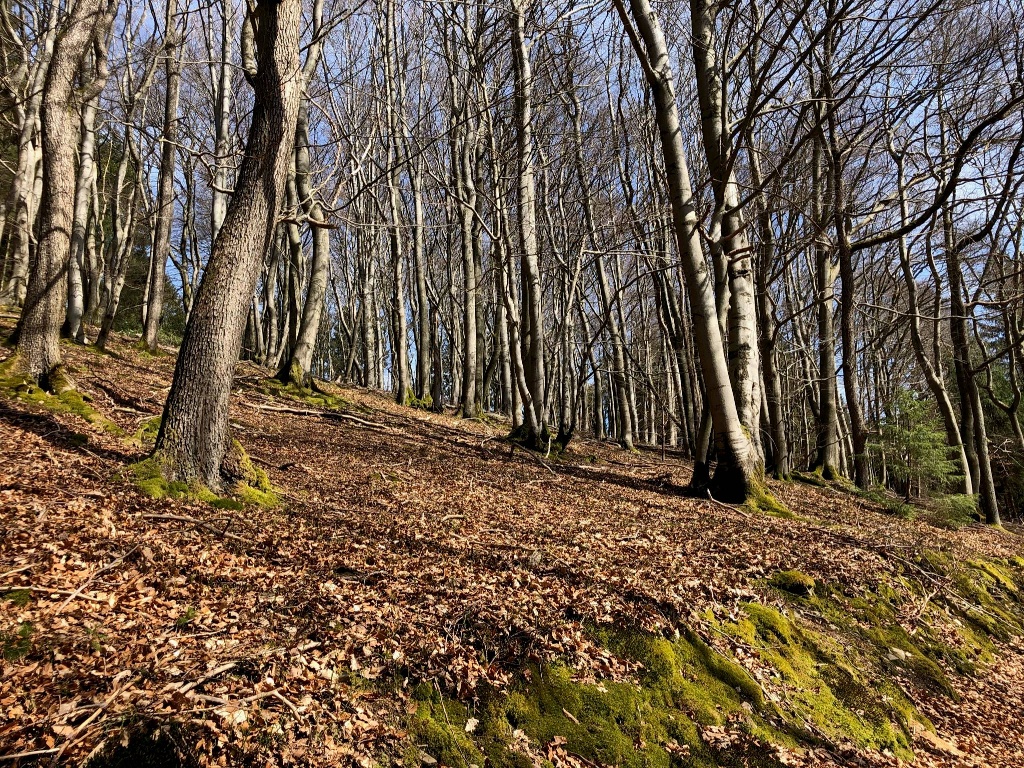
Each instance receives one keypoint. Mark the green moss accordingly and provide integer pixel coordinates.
(20, 597)
(760, 499)
(834, 681)
(150, 477)
(147, 432)
(16, 646)
(314, 395)
(823, 688)
(256, 496)
(794, 582)
(423, 403)
(438, 728)
(61, 397)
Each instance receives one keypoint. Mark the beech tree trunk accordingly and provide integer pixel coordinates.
(193, 438)
(738, 468)
(827, 457)
(73, 327)
(165, 194)
(532, 316)
(37, 335)
(734, 247)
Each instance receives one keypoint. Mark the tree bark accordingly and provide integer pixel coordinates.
(738, 469)
(165, 194)
(193, 438)
(38, 332)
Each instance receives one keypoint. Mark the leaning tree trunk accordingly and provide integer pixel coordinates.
(193, 439)
(38, 333)
(738, 469)
(165, 194)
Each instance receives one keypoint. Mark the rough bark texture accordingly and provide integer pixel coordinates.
(38, 331)
(193, 439)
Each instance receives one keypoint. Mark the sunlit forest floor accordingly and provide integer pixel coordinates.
(416, 591)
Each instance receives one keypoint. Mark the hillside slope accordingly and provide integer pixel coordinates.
(421, 593)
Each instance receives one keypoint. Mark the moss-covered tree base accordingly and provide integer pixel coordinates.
(247, 484)
(314, 394)
(55, 393)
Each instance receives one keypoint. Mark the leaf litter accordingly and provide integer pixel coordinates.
(410, 547)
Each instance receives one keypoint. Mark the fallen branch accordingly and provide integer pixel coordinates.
(17, 570)
(35, 753)
(195, 521)
(49, 591)
(532, 455)
(323, 414)
(186, 687)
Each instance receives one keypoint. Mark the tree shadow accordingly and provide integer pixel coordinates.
(46, 426)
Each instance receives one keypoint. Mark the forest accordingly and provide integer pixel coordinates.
(530, 383)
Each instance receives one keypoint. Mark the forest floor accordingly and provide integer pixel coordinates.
(425, 594)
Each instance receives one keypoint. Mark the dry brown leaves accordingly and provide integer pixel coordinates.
(427, 551)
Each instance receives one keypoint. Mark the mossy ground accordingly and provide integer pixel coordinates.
(760, 499)
(655, 720)
(60, 398)
(833, 669)
(794, 582)
(314, 395)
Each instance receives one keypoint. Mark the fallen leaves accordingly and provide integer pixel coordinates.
(420, 551)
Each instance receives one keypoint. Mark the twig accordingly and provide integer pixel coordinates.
(195, 521)
(17, 570)
(534, 456)
(322, 414)
(84, 584)
(19, 755)
(36, 753)
(292, 707)
(186, 687)
(46, 590)
(736, 509)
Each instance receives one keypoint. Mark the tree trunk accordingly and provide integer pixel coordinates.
(38, 332)
(738, 468)
(734, 250)
(165, 194)
(532, 317)
(73, 327)
(193, 439)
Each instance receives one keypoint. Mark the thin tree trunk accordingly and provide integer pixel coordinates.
(165, 194)
(738, 468)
